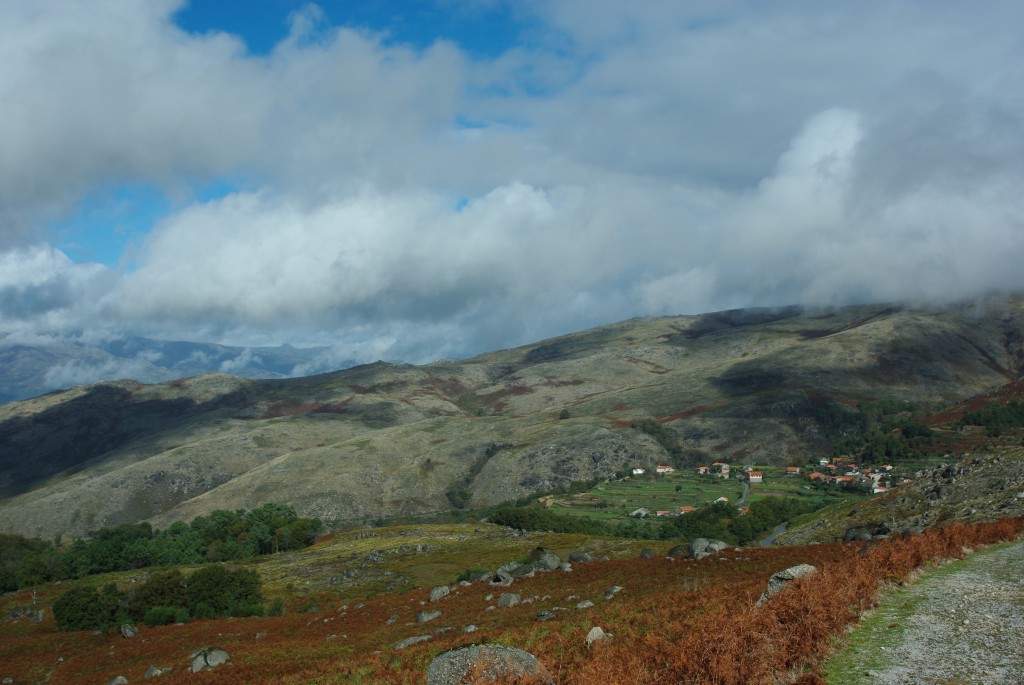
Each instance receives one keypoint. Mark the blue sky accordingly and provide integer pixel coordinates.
(418, 180)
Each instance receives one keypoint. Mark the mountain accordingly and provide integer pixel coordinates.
(30, 370)
(761, 385)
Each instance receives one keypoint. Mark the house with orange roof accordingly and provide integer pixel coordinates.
(687, 509)
(755, 477)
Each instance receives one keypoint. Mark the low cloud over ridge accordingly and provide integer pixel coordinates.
(412, 204)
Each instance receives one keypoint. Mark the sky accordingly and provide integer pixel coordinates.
(424, 179)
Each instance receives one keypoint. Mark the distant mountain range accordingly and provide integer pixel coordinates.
(769, 386)
(30, 370)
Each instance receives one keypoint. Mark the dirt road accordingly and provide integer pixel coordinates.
(962, 624)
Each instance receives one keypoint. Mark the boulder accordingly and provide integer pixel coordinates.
(439, 593)
(488, 663)
(523, 571)
(508, 599)
(501, 579)
(37, 616)
(128, 631)
(702, 547)
(544, 559)
(206, 658)
(597, 634)
(782, 578)
(647, 553)
(612, 591)
(585, 604)
(119, 680)
(679, 551)
(425, 616)
(402, 644)
(545, 614)
(580, 557)
(855, 533)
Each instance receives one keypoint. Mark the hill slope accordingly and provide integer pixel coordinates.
(747, 385)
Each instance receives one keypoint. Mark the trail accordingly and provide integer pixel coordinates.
(963, 624)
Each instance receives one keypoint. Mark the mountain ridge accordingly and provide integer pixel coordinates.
(769, 385)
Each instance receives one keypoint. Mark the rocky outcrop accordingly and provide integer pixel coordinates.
(488, 663)
(206, 658)
(703, 547)
(783, 578)
(545, 559)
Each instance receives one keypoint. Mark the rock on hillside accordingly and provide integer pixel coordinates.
(391, 439)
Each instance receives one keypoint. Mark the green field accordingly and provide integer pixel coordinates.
(616, 499)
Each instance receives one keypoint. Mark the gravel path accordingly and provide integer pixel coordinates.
(960, 625)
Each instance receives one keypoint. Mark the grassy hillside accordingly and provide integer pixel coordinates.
(749, 386)
(672, 620)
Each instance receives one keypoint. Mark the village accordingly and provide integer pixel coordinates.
(837, 474)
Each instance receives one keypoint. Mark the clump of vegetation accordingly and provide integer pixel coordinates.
(666, 437)
(719, 521)
(458, 496)
(890, 432)
(221, 536)
(167, 597)
(996, 417)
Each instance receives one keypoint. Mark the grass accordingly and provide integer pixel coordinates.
(616, 499)
(675, 621)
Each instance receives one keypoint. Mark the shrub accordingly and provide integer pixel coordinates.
(162, 616)
(276, 608)
(166, 589)
(219, 590)
(243, 609)
(85, 608)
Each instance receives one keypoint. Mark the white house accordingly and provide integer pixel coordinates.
(755, 477)
(639, 471)
(664, 469)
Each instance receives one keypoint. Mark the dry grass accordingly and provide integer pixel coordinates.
(675, 621)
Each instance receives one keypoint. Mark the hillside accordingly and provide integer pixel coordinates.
(674, 619)
(765, 386)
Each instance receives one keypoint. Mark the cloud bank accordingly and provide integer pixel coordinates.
(412, 204)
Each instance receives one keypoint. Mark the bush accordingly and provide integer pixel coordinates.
(276, 608)
(204, 610)
(162, 616)
(85, 608)
(243, 609)
(220, 591)
(165, 589)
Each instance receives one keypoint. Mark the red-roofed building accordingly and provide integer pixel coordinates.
(755, 477)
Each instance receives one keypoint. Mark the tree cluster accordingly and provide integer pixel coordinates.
(166, 597)
(996, 417)
(718, 521)
(221, 536)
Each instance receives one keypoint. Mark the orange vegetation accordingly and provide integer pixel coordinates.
(674, 621)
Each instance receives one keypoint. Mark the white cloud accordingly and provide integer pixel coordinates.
(400, 203)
